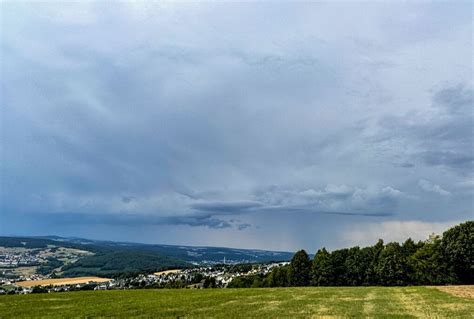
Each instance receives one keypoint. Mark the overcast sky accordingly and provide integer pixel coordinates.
(255, 125)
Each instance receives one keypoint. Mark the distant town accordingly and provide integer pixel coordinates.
(216, 276)
(31, 269)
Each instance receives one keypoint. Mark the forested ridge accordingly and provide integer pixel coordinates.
(439, 260)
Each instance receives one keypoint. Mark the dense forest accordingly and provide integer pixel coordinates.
(437, 261)
(121, 264)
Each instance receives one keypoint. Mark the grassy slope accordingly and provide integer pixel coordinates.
(278, 302)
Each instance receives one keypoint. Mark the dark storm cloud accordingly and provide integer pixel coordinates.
(457, 99)
(226, 207)
(133, 220)
(179, 114)
(461, 161)
(441, 136)
(333, 199)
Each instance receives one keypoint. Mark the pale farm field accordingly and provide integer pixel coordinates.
(460, 291)
(61, 281)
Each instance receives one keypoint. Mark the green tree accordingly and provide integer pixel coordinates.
(371, 255)
(209, 282)
(409, 247)
(356, 265)
(322, 271)
(300, 269)
(278, 277)
(338, 263)
(392, 266)
(38, 290)
(257, 282)
(458, 247)
(430, 266)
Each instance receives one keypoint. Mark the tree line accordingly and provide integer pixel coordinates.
(448, 259)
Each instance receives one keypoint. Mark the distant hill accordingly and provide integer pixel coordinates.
(189, 254)
(118, 258)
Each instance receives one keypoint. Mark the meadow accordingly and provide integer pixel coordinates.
(394, 302)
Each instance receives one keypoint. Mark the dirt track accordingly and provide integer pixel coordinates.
(460, 291)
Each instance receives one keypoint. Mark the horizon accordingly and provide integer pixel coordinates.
(210, 246)
(220, 125)
(141, 243)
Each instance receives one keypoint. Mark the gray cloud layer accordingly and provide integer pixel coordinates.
(223, 117)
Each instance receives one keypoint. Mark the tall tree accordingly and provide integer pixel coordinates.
(300, 269)
(430, 266)
(278, 277)
(356, 264)
(371, 254)
(458, 246)
(409, 247)
(392, 266)
(338, 263)
(322, 271)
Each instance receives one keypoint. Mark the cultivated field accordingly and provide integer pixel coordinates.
(399, 302)
(61, 281)
(166, 272)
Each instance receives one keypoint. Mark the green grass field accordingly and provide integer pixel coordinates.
(400, 302)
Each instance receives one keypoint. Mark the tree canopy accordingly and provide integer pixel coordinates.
(436, 261)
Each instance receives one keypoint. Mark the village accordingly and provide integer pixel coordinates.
(215, 276)
(20, 264)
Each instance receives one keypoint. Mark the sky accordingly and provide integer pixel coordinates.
(254, 125)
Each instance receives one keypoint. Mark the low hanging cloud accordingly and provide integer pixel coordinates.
(196, 211)
(226, 207)
(337, 199)
(138, 220)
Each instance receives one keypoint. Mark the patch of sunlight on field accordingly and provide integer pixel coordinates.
(61, 281)
(400, 302)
